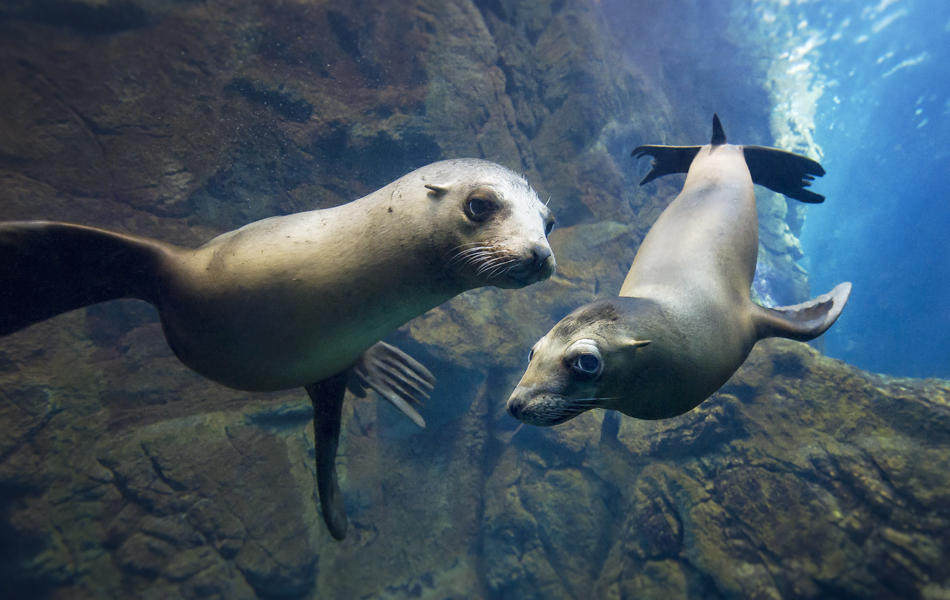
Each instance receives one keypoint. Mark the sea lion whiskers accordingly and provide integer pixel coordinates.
(490, 259)
(592, 402)
(476, 255)
(463, 250)
(495, 267)
(549, 413)
(487, 265)
(500, 267)
(470, 244)
(473, 257)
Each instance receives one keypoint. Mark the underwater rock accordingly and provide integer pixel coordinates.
(124, 475)
(713, 423)
(797, 503)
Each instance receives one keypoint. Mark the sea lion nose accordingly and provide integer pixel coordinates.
(542, 258)
(515, 406)
(540, 253)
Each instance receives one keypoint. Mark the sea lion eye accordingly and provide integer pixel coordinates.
(583, 358)
(530, 354)
(586, 364)
(549, 226)
(479, 208)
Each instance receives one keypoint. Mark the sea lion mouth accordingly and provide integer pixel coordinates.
(549, 408)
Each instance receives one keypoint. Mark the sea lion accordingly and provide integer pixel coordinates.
(302, 299)
(684, 320)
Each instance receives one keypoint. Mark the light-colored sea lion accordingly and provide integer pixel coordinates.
(684, 321)
(301, 299)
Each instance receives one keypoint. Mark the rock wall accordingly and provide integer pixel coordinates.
(122, 474)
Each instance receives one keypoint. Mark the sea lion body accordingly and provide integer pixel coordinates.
(684, 320)
(302, 299)
(291, 300)
(702, 279)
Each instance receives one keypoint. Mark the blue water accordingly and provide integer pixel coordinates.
(883, 123)
(864, 87)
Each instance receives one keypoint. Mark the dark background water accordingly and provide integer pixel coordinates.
(883, 123)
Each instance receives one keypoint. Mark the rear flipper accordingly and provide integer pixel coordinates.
(48, 268)
(803, 321)
(394, 375)
(666, 159)
(778, 170)
(783, 172)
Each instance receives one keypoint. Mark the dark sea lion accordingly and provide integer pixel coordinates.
(302, 299)
(684, 321)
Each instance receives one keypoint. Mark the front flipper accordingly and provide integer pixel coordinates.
(803, 321)
(395, 376)
(327, 398)
(666, 159)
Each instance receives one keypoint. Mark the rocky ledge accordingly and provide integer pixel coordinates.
(802, 478)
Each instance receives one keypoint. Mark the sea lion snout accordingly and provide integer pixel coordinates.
(537, 265)
(516, 405)
(543, 259)
(543, 407)
(524, 404)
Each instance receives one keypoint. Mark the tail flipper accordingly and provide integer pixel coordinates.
(666, 159)
(783, 172)
(48, 268)
(803, 321)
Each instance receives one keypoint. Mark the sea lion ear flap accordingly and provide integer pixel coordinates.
(437, 191)
(634, 343)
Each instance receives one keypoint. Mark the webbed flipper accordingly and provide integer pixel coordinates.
(803, 321)
(395, 376)
(327, 398)
(676, 159)
(783, 172)
(666, 159)
(47, 268)
(392, 374)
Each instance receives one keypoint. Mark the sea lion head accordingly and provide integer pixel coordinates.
(496, 226)
(613, 354)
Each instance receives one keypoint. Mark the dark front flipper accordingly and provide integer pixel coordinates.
(327, 398)
(783, 172)
(395, 376)
(390, 372)
(666, 159)
(48, 268)
(803, 321)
